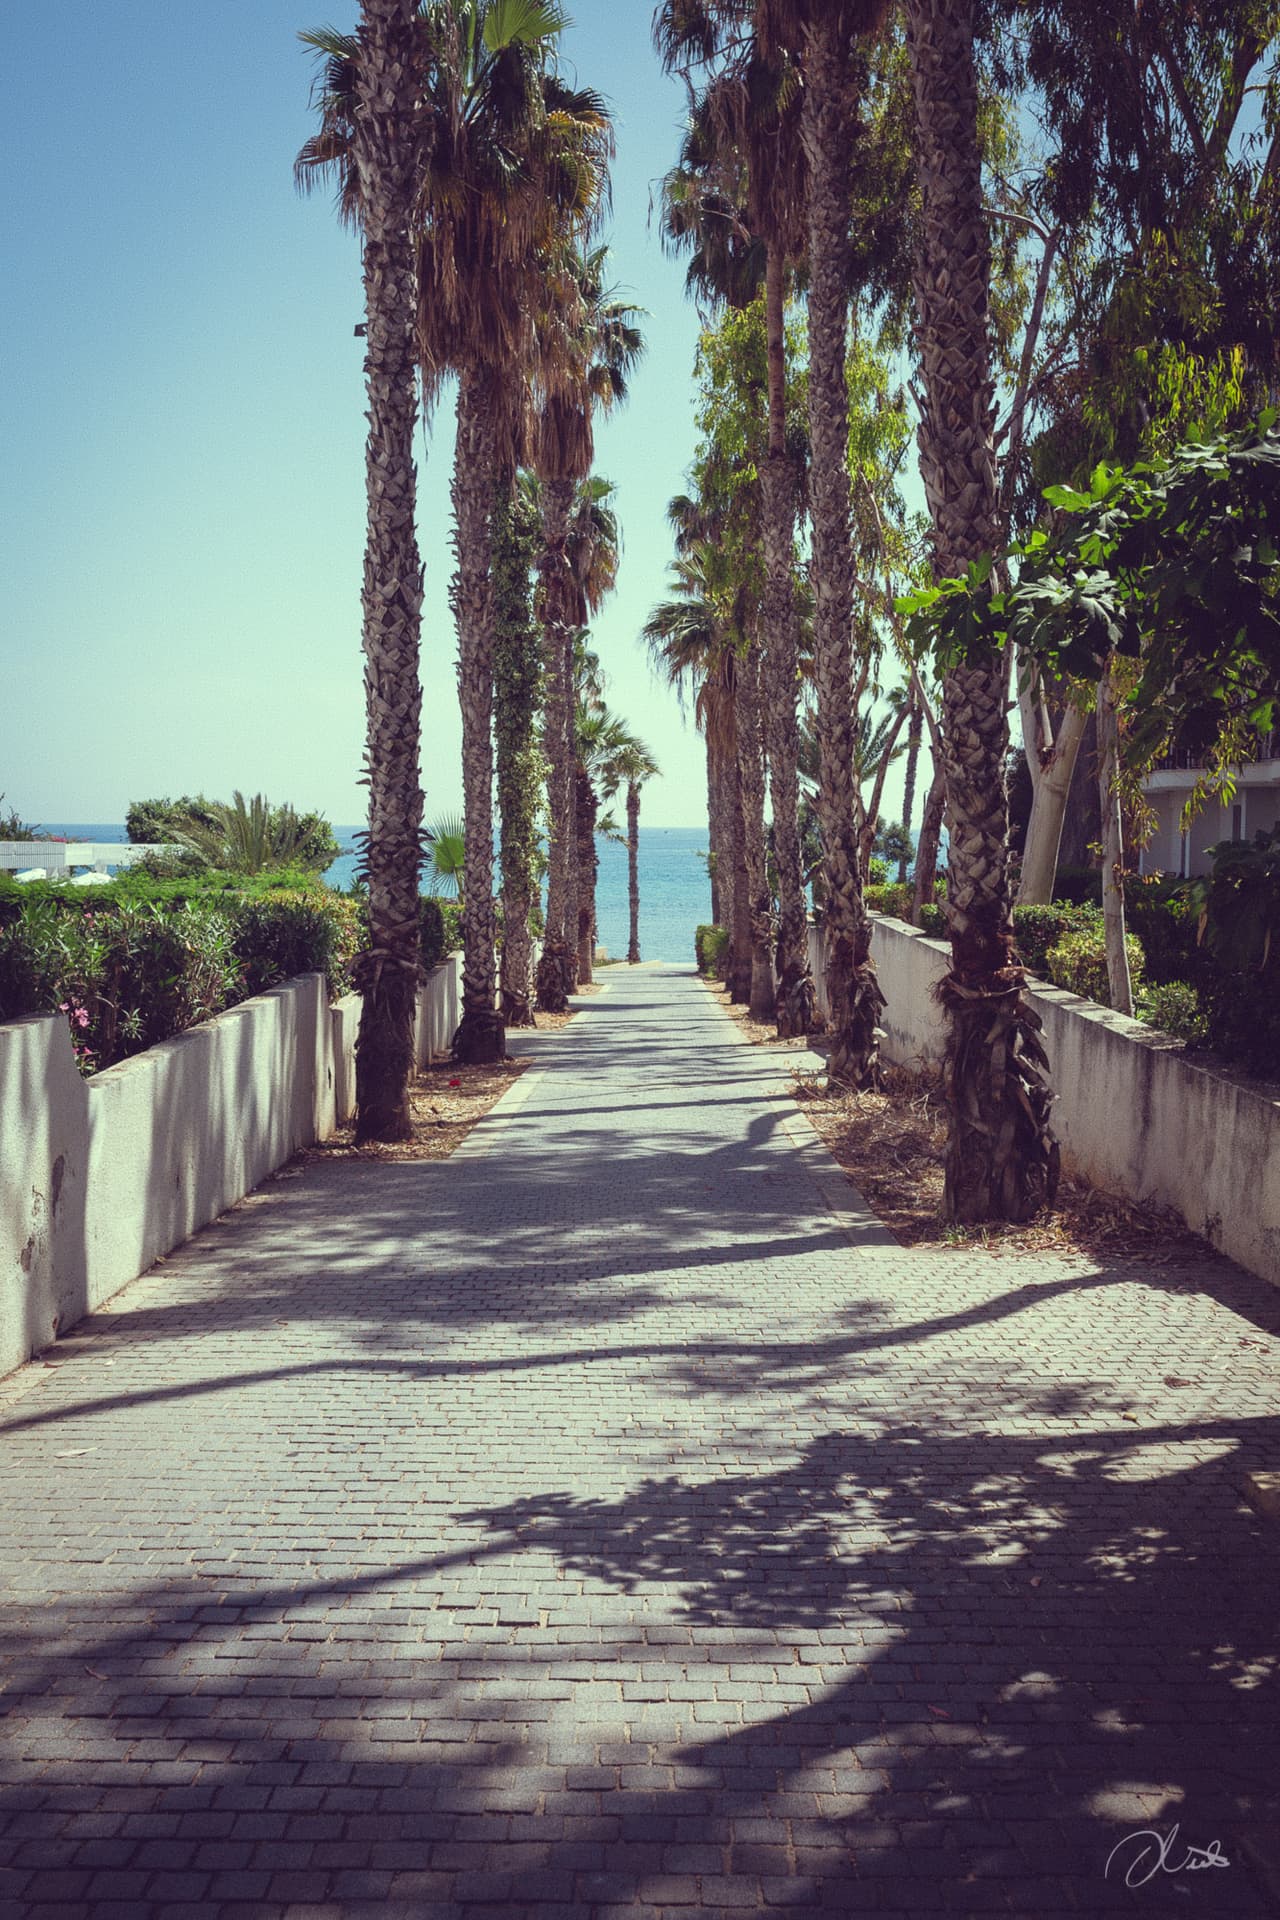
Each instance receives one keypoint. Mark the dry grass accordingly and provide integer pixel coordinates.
(891, 1144)
(761, 1033)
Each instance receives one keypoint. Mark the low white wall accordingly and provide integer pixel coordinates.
(1134, 1115)
(99, 1176)
(439, 1010)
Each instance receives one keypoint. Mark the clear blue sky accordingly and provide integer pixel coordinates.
(182, 494)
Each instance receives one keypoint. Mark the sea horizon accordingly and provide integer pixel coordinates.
(675, 895)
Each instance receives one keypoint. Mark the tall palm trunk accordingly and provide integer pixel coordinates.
(739, 921)
(915, 733)
(827, 124)
(588, 862)
(481, 1035)
(715, 850)
(1001, 1159)
(633, 868)
(517, 689)
(751, 779)
(391, 600)
(557, 615)
(796, 1002)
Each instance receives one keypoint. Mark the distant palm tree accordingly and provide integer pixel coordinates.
(632, 766)
(591, 343)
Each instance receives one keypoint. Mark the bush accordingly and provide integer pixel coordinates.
(1240, 904)
(711, 944)
(1079, 963)
(893, 898)
(877, 871)
(933, 919)
(1175, 1009)
(431, 940)
(276, 939)
(1038, 928)
(1165, 917)
(130, 971)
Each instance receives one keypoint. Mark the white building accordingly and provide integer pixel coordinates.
(1255, 808)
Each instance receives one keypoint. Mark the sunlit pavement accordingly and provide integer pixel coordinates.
(597, 1524)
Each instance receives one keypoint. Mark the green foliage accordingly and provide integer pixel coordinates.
(242, 837)
(1174, 1007)
(1078, 962)
(134, 962)
(448, 853)
(892, 897)
(893, 843)
(13, 826)
(711, 945)
(1239, 909)
(1165, 917)
(163, 820)
(933, 919)
(1038, 928)
(1169, 563)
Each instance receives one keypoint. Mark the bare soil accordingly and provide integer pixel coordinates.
(891, 1144)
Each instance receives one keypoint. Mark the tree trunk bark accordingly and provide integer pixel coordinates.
(557, 603)
(1119, 984)
(713, 832)
(481, 1036)
(385, 158)
(740, 892)
(588, 806)
(928, 844)
(517, 695)
(1002, 1162)
(796, 1003)
(751, 776)
(633, 869)
(827, 124)
(1051, 785)
(915, 733)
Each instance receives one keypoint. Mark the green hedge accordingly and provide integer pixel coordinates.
(1078, 962)
(711, 944)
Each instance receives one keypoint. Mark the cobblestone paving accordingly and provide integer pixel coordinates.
(596, 1525)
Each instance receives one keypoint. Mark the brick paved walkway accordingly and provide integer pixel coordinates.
(596, 1525)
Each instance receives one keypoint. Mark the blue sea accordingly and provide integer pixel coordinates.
(675, 894)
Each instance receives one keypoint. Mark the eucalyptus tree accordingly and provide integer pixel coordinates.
(590, 344)
(369, 103)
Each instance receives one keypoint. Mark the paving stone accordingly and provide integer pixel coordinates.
(598, 1523)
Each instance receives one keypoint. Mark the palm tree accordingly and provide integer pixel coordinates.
(520, 164)
(1001, 1160)
(821, 35)
(598, 738)
(747, 122)
(378, 118)
(589, 347)
(632, 766)
(517, 697)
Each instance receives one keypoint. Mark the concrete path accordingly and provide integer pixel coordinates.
(596, 1524)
